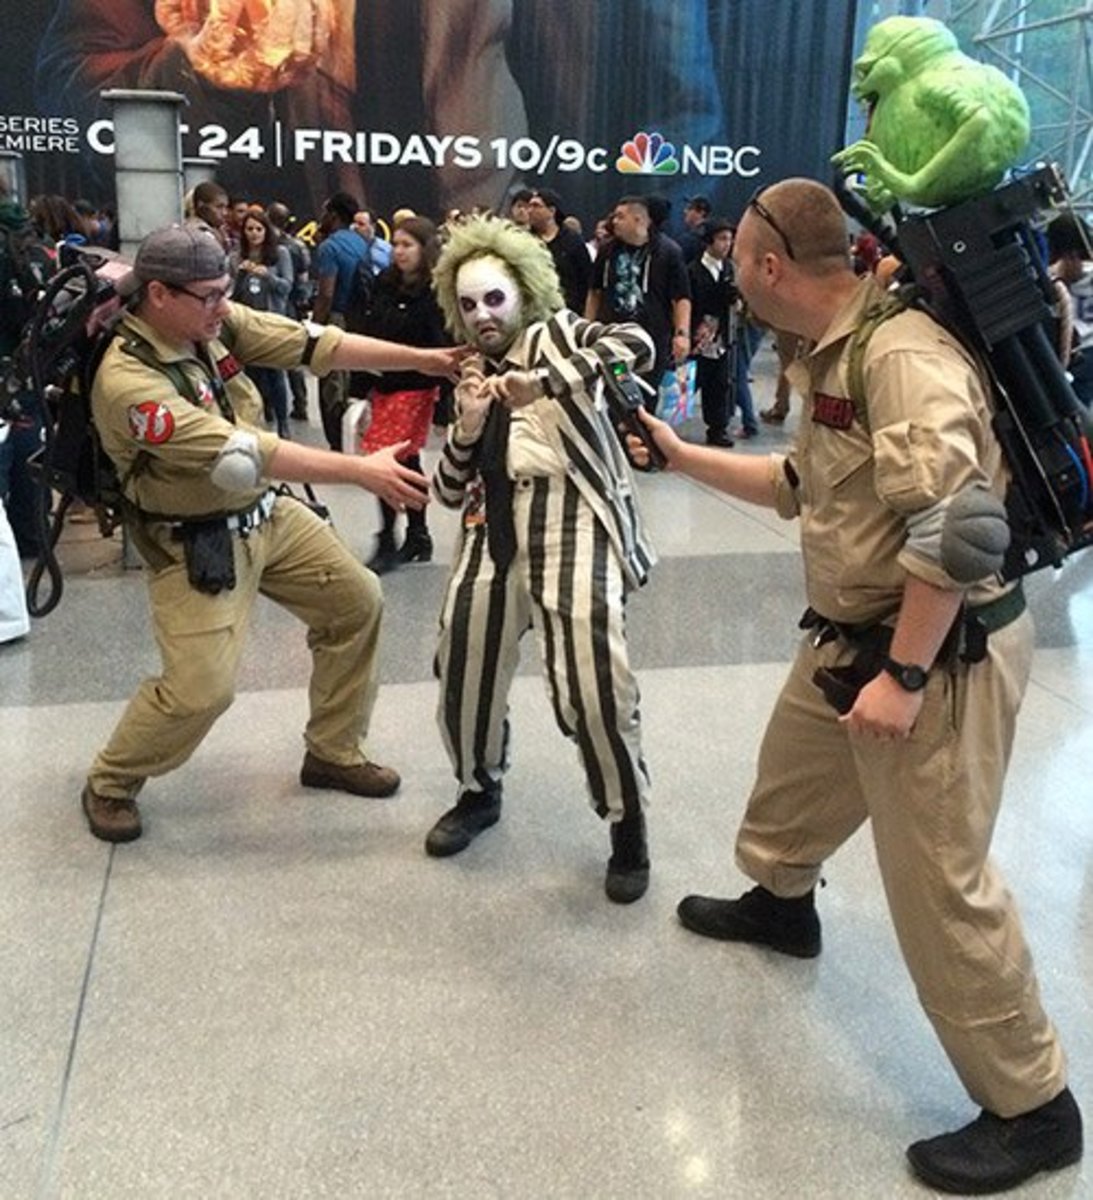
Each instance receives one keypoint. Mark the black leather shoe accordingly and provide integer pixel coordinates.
(473, 813)
(995, 1153)
(418, 547)
(627, 877)
(719, 437)
(760, 917)
(385, 557)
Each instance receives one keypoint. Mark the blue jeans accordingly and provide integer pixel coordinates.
(747, 342)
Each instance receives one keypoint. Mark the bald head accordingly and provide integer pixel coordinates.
(801, 219)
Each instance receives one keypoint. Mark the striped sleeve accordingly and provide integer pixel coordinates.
(577, 351)
(457, 466)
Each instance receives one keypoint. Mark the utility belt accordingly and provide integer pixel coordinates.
(207, 543)
(966, 642)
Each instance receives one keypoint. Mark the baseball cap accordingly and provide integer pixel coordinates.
(698, 203)
(180, 254)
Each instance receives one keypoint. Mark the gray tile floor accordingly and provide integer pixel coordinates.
(276, 994)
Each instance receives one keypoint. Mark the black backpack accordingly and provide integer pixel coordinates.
(25, 268)
(363, 294)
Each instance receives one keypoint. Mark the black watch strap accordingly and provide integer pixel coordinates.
(909, 676)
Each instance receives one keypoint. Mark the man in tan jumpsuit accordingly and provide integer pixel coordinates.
(922, 750)
(180, 420)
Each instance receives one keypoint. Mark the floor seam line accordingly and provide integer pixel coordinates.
(52, 1149)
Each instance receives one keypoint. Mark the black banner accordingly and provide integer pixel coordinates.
(440, 104)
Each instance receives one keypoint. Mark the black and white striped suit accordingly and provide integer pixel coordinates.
(581, 547)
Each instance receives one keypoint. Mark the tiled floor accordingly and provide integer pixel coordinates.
(274, 993)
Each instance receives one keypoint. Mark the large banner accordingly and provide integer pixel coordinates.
(439, 104)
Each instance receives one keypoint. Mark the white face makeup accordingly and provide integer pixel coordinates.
(490, 304)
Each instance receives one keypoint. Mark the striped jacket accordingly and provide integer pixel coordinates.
(572, 354)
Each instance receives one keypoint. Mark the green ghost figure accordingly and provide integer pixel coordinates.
(942, 127)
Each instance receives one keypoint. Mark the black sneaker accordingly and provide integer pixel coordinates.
(995, 1153)
(474, 812)
(627, 877)
(760, 917)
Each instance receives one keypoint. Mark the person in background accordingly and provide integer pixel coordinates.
(336, 260)
(263, 279)
(1071, 263)
(403, 310)
(299, 298)
(571, 261)
(696, 211)
(713, 327)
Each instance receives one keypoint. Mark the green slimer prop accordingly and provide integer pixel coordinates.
(942, 128)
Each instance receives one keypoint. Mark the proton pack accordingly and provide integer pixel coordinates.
(61, 347)
(976, 268)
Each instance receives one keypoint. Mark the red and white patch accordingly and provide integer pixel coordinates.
(151, 422)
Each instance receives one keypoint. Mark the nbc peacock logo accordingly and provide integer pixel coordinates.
(647, 154)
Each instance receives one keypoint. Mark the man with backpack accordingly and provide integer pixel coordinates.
(182, 424)
(901, 706)
(341, 263)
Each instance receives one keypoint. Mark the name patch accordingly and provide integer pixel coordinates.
(836, 412)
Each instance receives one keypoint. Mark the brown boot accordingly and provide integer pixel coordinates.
(361, 779)
(111, 818)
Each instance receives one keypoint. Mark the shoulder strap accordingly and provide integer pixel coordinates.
(888, 306)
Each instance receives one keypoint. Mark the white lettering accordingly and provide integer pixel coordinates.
(100, 136)
(414, 152)
(439, 147)
(751, 152)
(467, 152)
(303, 142)
(383, 149)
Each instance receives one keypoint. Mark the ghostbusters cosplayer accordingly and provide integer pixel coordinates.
(927, 657)
(552, 538)
(179, 418)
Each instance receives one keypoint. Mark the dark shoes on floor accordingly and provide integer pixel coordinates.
(719, 437)
(385, 557)
(474, 812)
(418, 547)
(760, 917)
(111, 818)
(361, 779)
(628, 867)
(993, 1153)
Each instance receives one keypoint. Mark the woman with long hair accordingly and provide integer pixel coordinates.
(263, 280)
(403, 309)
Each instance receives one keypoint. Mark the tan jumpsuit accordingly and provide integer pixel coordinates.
(931, 800)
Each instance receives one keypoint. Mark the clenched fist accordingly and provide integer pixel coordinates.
(256, 45)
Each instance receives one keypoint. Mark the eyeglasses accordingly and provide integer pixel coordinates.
(764, 212)
(210, 301)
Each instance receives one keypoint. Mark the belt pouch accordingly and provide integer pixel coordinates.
(210, 555)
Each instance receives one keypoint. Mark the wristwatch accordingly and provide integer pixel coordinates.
(910, 677)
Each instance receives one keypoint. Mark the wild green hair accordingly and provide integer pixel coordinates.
(522, 252)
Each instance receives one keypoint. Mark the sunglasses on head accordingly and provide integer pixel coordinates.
(762, 211)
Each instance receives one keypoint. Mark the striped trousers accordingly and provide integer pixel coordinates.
(567, 583)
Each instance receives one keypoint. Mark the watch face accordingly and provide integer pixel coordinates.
(910, 677)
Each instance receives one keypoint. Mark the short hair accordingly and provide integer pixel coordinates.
(525, 255)
(552, 200)
(699, 204)
(1068, 234)
(715, 225)
(634, 201)
(521, 196)
(810, 217)
(208, 192)
(344, 206)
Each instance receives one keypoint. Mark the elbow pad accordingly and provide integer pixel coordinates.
(966, 535)
(238, 466)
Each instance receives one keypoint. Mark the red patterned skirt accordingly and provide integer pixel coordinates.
(400, 417)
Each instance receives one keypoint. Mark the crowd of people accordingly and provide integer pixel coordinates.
(498, 330)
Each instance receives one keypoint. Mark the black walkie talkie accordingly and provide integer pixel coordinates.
(624, 401)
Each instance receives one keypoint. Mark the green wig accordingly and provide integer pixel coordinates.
(522, 252)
